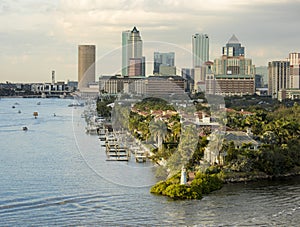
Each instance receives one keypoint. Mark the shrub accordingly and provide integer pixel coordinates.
(202, 184)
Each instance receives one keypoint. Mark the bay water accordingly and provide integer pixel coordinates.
(56, 174)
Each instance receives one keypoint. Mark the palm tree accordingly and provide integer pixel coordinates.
(144, 129)
(175, 129)
(158, 130)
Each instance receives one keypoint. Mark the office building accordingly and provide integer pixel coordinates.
(136, 67)
(294, 59)
(164, 86)
(165, 59)
(262, 71)
(86, 65)
(199, 74)
(165, 70)
(186, 74)
(279, 77)
(125, 60)
(200, 49)
(233, 73)
(259, 82)
(135, 52)
(152, 86)
(233, 48)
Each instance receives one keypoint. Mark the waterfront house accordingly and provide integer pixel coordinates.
(214, 153)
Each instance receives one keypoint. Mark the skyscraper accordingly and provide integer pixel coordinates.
(86, 65)
(135, 54)
(125, 60)
(279, 77)
(233, 73)
(200, 49)
(167, 59)
(233, 48)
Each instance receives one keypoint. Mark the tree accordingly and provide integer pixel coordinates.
(158, 130)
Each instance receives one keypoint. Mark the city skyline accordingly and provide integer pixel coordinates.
(45, 34)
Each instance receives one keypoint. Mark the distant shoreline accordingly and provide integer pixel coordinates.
(36, 97)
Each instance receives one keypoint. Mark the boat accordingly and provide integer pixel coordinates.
(35, 114)
(25, 128)
(75, 104)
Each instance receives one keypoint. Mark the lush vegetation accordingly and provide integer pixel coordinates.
(277, 131)
(201, 185)
(276, 126)
(102, 105)
(154, 120)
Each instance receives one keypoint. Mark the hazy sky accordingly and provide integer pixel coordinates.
(37, 36)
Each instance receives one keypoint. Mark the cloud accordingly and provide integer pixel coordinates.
(53, 28)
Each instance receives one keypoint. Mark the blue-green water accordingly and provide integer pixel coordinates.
(55, 174)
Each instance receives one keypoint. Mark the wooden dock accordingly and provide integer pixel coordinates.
(114, 150)
(140, 156)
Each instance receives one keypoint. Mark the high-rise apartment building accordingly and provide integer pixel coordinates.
(294, 59)
(200, 49)
(125, 60)
(284, 78)
(86, 65)
(279, 77)
(233, 73)
(135, 54)
(165, 59)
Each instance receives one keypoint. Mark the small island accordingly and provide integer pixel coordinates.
(251, 138)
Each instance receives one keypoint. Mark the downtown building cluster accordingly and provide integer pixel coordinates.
(230, 74)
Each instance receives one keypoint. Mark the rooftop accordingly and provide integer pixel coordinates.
(134, 30)
(233, 40)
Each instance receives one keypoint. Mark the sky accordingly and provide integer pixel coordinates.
(38, 36)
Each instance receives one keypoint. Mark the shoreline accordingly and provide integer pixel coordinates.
(240, 177)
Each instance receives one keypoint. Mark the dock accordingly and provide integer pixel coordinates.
(140, 156)
(114, 150)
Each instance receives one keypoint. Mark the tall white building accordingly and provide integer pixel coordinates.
(200, 49)
(125, 60)
(135, 52)
(135, 44)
